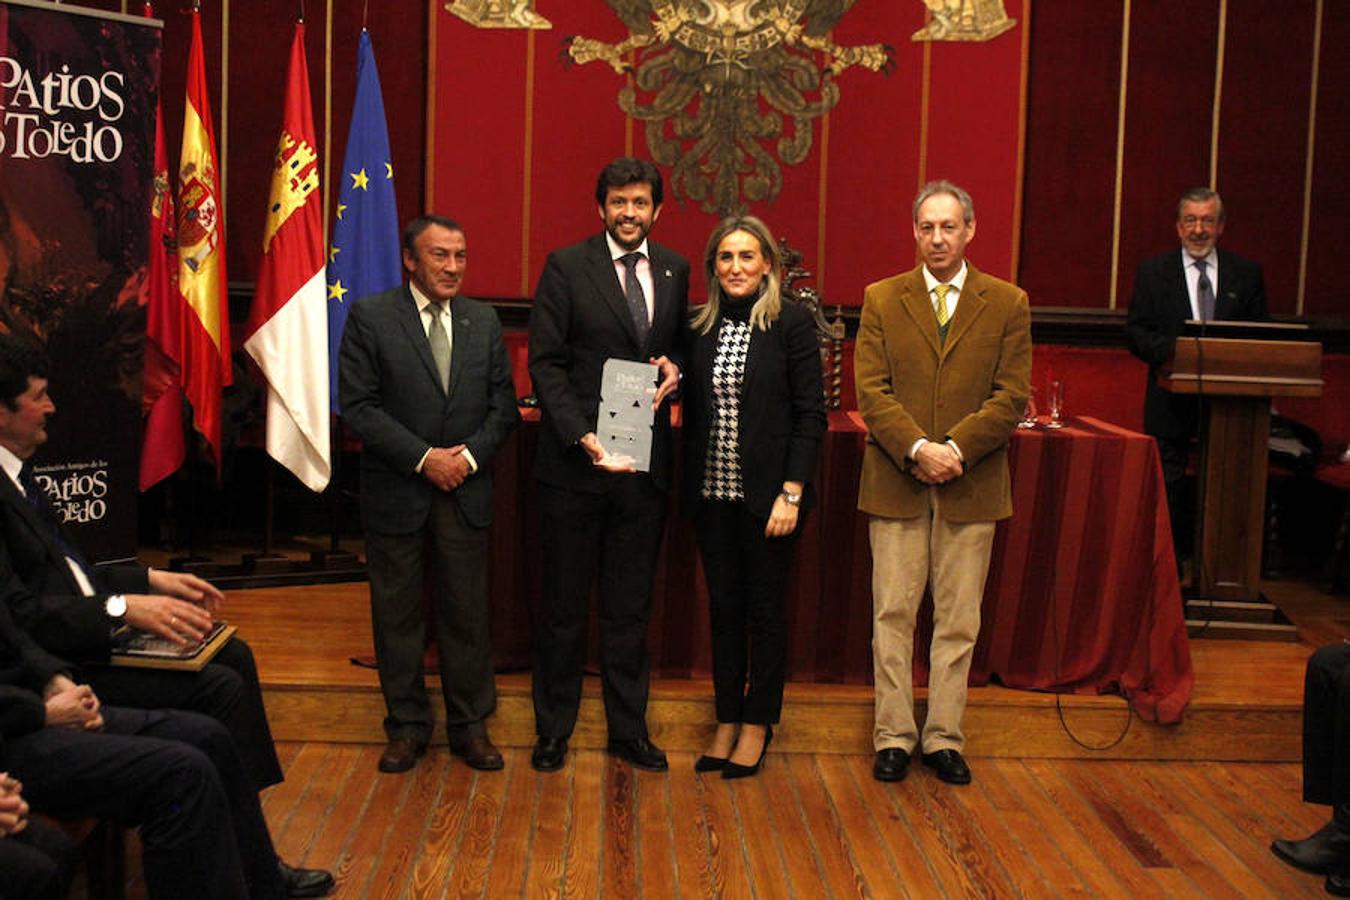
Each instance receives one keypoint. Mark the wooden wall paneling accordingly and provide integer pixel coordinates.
(1328, 271)
(1069, 177)
(1263, 129)
(1168, 122)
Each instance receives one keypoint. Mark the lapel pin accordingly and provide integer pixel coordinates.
(668, 274)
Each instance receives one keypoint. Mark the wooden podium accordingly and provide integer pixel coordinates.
(1238, 377)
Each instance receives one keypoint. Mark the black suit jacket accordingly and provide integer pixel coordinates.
(25, 669)
(1160, 305)
(392, 398)
(37, 586)
(782, 410)
(580, 319)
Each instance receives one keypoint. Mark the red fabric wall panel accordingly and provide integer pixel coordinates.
(871, 183)
(1329, 220)
(577, 127)
(1168, 117)
(1067, 212)
(871, 158)
(259, 51)
(973, 123)
(478, 147)
(1262, 180)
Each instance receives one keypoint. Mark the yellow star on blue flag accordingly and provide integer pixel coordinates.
(365, 255)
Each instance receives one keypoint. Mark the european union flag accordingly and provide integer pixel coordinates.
(363, 255)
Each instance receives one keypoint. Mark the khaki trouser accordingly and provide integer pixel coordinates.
(907, 555)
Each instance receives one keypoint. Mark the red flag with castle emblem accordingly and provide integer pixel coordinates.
(288, 326)
(163, 448)
(205, 325)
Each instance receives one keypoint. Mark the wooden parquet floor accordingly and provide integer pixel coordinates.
(1177, 815)
(809, 826)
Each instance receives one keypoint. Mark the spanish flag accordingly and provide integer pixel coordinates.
(163, 448)
(201, 257)
(288, 326)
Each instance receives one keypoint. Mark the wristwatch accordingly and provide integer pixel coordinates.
(116, 607)
(790, 498)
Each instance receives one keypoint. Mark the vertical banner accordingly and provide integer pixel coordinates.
(77, 144)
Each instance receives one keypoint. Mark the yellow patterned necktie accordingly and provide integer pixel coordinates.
(941, 306)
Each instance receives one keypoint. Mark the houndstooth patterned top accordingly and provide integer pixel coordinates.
(722, 469)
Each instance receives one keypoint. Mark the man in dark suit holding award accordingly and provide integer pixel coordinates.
(614, 295)
(943, 364)
(1198, 282)
(426, 384)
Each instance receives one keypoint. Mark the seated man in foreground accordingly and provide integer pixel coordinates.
(1326, 769)
(55, 596)
(173, 775)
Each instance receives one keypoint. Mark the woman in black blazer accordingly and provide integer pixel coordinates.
(754, 414)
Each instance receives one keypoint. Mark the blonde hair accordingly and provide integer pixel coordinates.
(765, 309)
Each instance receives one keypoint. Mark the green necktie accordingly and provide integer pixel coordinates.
(440, 346)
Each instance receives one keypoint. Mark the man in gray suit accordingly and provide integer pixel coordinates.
(426, 384)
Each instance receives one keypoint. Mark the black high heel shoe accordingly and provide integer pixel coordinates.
(706, 763)
(735, 770)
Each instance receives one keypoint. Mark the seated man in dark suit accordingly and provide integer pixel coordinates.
(174, 775)
(1326, 769)
(37, 859)
(1197, 282)
(72, 609)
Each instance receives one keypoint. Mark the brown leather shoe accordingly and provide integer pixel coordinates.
(478, 753)
(401, 755)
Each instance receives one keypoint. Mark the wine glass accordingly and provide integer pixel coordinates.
(1055, 399)
(1028, 419)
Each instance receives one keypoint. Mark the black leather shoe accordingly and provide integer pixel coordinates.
(639, 752)
(401, 755)
(548, 754)
(736, 770)
(706, 763)
(949, 766)
(1338, 884)
(891, 764)
(1324, 852)
(305, 882)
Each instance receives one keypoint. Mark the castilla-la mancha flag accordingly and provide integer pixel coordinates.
(288, 326)
(201, 257)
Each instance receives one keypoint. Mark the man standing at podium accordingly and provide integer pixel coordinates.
(943, 365)
(1200, 282)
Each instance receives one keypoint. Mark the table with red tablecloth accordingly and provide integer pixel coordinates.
(1082, 593)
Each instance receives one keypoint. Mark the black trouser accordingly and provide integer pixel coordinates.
(620, 530)
(226, 689)
(38, 863)
(747, 576)
(1326, 726)
(1174, 453)
(459, 603)
(175, 776)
